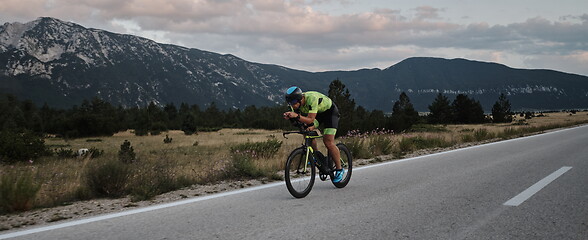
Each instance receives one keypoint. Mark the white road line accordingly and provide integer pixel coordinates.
(198, 199)
(135, 211)
(529, 192)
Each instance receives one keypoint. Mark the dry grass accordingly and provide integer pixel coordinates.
(204, 157)
(200, 158)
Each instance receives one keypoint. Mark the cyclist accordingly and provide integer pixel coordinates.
(318, 108)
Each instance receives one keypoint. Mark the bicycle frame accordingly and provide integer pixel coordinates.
(309, 136)
(309, 150)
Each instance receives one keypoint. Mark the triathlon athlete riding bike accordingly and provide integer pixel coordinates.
(317, 108)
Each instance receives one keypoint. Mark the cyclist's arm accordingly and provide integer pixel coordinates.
(304, 119)
(308, 119)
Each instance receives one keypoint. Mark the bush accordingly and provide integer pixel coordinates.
(357, 148)
(265, 149)
(244, 156)
(521, 122)
(380, 145)
(95, 152)
(141, 132)
(107, 179)
(154, 132)
(126, 153)
(467, 138)
(428, 128)
(510, 133)
(65, 153)
(244, 166)
(167, 139)
(17, 192)
(154, 179)
(19, 147)
(482, 134)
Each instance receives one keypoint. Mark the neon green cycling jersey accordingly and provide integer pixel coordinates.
(315, 102)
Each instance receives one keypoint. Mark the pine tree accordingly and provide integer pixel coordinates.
(403, 114)
(213, 117)
(466, 110)
(440, 110)
(189, 124)
(346, 105)
(501, 112)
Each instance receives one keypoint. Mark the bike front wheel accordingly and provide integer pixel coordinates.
(299, 173)
(346, 163)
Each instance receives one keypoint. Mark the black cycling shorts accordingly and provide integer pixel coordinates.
(329, 118)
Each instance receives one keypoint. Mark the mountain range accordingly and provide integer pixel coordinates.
(62, 63)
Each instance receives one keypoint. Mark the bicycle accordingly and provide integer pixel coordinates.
(301, 165)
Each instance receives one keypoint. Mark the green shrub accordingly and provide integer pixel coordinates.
(467, 138)
(521, 122)
(265, 149)
(428, 128)
(357, 148)
(126, 153)
(65, 153)
(167, 139)
(482, 134)
(380, 145)
(244, 155)
(17, 192)
(95, 152)
(508, 133)
(19, 147)
(153, 179)
(154, 132)
(108, 179)
(141, 132)
(406, 145)
(244, 166)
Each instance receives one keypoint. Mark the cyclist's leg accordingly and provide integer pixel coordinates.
(329, 141)
(313, 145)
(331, 122)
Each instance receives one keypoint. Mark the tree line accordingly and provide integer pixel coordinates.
(463, 110)
(97, 117)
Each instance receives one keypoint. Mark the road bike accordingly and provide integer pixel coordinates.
(301, 165)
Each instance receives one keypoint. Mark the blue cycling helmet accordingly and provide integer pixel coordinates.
(293, 95)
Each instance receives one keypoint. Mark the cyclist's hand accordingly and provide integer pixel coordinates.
(311, 128)
(288, 115)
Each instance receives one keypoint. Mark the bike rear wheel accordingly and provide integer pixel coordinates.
(299, 175)
(346, 163)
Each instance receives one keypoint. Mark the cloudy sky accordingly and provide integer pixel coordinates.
(320, 35)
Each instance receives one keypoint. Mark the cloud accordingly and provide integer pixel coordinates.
(294, 33)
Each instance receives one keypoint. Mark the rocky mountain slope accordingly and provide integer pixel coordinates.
(62, 63)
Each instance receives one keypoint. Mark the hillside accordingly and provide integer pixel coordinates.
(62, 63)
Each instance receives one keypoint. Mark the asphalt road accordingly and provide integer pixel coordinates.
(460, 194)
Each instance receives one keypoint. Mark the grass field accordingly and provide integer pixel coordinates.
(207, 156)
